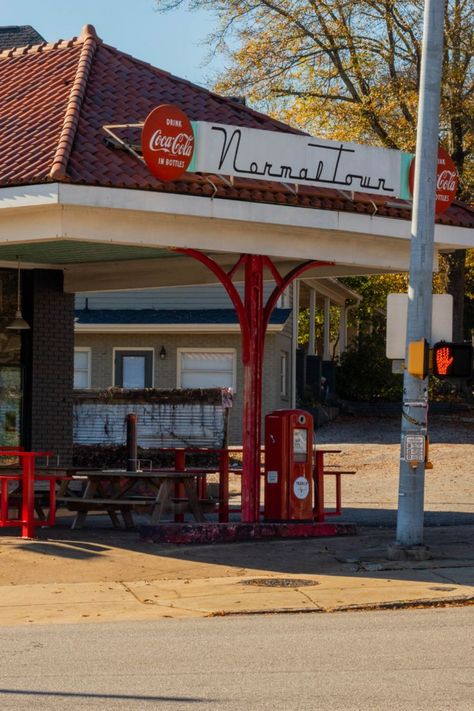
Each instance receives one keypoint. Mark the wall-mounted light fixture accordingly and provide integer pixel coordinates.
(18, 323)
(162, 352)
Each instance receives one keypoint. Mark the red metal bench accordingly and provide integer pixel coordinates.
(25, 476)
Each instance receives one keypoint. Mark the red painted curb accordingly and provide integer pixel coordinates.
(185, 533)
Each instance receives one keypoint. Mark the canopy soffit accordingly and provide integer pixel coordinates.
(110, 238)
(332, 289)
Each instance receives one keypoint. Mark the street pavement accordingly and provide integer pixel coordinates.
(408, 660)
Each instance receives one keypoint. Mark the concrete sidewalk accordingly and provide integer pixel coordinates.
(101, 575)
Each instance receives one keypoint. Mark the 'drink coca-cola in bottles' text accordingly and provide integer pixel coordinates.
(167, 142)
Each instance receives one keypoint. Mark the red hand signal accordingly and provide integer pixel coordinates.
(443, 360)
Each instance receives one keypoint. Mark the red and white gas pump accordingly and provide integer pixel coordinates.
(288, 466)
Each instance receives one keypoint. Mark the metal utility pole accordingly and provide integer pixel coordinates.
(415, 390)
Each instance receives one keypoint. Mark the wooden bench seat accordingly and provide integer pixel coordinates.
(336, 472)
(41, 498)
(103, 502)
(139, 503)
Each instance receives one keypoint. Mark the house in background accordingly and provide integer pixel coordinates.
(323, 294)
(316, 361)
(19, 36)
(179, 337)
(189, 337)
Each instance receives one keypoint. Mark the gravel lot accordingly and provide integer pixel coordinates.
(371, 446)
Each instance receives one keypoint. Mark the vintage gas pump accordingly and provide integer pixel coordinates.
(288, 466)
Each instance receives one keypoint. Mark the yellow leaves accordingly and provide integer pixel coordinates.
(346, 67)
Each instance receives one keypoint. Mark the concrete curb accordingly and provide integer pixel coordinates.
(462, 601)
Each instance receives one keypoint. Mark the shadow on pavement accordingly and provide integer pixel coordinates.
(387, 518)
(91, 695)
(449, 535)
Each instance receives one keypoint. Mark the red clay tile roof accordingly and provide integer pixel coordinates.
(55, 99)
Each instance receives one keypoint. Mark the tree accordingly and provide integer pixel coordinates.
(318, 326)
(350, 69)
(375, 289)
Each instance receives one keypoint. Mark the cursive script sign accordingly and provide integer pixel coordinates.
(289, 158)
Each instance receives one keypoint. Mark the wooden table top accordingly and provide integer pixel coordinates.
(40, 471)
(141, 474)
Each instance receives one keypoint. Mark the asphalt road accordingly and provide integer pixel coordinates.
(404, 660)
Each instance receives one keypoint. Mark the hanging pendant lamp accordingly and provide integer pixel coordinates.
(18, 323)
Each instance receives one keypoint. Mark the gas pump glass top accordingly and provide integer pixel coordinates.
(300, 444)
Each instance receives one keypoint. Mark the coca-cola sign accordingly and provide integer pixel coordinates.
(446, 181)
(167, 142)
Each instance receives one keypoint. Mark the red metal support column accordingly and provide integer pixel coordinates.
(253, 369)
(254, 317)
(28, 507)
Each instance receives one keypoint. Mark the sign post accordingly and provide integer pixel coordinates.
(415, 389)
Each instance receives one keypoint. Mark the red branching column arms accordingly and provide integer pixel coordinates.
(254, 317)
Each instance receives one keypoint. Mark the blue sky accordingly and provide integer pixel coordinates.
(172, 42)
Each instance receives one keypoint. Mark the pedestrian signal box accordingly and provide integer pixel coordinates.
(452, 360)
(418, 358)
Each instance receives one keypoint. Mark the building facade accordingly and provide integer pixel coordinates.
(177, 338)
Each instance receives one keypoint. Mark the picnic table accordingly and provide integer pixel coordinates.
(319, 472)
(111, 491)
(28, 488)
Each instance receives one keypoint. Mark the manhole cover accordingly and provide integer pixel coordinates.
(279, 582)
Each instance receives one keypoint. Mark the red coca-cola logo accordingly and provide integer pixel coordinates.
(167, 142)
(446, 182)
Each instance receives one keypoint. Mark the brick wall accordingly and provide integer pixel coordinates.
(49, 363)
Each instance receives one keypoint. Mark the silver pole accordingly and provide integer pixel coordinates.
(415, 390)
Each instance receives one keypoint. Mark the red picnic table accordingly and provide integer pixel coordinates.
(25, 477)
(319, 472)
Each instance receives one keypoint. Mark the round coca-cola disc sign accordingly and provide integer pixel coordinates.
(446, 181)
(167, 142)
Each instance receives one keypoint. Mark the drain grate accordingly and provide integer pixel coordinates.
(279, 582)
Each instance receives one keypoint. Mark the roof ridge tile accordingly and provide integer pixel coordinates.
(42, 46)
(89, 40)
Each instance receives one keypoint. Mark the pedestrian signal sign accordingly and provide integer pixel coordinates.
(452, 360)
